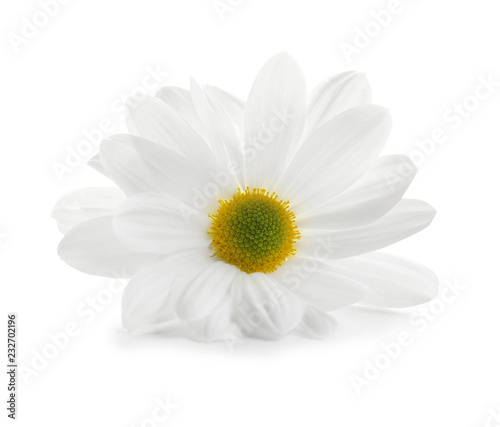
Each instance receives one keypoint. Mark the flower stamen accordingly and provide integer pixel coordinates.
(254, 231)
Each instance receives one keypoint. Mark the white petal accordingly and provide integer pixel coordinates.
(146, 305)
(261, 332)
(84, 204)
(126, 168)
(274, 119)
(180, 100)
(178, 177)
(335, 156)
(92, 247)
(263, 302)
(96, 163)
(318, 284)
(197, 292)
(222, 131)
(406, 218)
(153, 119)
(233, 105)
(395, 282)
(141, 166)
(315, 324)
(372, 196)
(219, 325)
(159, 223)
(334, 96)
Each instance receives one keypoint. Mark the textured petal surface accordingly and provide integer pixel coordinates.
(92, 247)
(318, 284)
(198, 292)
(178, 177)
(153, 119)
(126, 168)
(263, 302)
(406, 218)
(315, 324)
(233, 105)
(146, 305)
(222, 131)
(84, 204)
(274, 120)
(180, 100)
(372, 196)
(335, 156)
(158, 223)
(394, 281)
(141, 166)
(334, 96)
(96, 163)
(219, 325)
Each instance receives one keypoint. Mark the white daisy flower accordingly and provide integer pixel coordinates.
(236, 219)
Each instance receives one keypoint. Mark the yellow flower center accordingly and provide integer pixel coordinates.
(254, 231)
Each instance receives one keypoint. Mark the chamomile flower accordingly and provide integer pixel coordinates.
(235, 219)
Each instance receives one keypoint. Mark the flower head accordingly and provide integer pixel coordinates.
(235, 218)
(254, 231)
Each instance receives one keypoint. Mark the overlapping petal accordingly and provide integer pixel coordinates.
(199, 292)
(394, 282)
(318, 284)
(222, 132)
(372, 196)
(160, 224)
(93, 248)
(335, 156)
(315, 324)
(180, 100)
(153, 119)
(263, 302)
(274, 120)
(405, 219)
(146, 306)
(84, 204)
(334, 96)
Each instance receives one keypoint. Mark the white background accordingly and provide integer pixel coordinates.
(67, 78)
